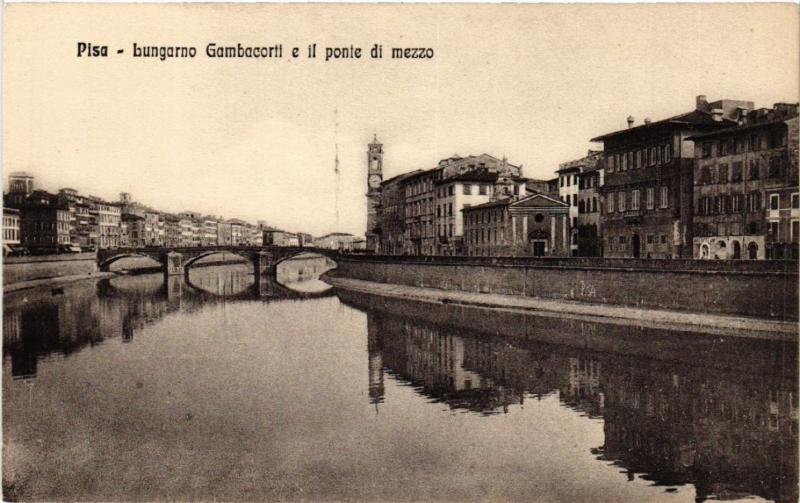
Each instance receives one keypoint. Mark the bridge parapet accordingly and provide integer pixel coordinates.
(177, 260)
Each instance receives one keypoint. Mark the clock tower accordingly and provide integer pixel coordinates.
(374, 179)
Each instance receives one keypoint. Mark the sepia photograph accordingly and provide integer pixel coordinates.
(426, 252)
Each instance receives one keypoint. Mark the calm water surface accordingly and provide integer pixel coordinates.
(223, 388)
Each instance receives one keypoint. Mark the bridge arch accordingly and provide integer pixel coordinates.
(105, 264)
(192, 260)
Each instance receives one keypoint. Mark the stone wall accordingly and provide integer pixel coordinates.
(767, 289)
(16, 269)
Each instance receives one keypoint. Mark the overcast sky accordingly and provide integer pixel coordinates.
(255, 139)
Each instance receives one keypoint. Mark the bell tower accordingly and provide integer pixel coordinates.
(374, 179)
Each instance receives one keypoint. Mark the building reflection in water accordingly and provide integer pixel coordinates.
(47, 323)
(728, 432)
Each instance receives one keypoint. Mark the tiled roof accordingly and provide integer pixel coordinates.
(695, 117)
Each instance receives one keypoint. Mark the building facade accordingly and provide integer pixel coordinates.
(471, 188)
(648, 188)
(535, 225)
(590, 204)
(420, 213)
(11, 227)
(392, 214)
(746, 196)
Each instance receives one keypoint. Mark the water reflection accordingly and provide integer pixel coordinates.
(730, 430)
(39, 324)
(355, 397)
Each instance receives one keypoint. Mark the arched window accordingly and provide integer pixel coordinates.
(704, 251)
(737, 250)
(752, 251)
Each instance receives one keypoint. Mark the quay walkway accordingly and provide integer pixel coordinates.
(705, 323)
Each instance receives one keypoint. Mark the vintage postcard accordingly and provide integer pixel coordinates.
(400, 252)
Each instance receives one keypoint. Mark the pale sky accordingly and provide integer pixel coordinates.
(254, 139)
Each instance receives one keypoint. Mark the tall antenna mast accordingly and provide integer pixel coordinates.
(336, 162)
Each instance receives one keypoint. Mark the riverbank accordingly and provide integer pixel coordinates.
(55, 281)
(737, 326)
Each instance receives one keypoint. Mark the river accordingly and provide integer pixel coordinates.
(217, 388)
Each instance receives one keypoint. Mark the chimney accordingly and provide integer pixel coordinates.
(630, 121)
(716, 114)
(647, 120)
(701, 103)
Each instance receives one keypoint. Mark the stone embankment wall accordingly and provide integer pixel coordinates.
(16, 269)
(766, 289)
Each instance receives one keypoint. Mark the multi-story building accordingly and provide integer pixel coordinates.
(10, 227)
(153, 229)
(172, 230)
(420, 213)
(392, 214)
(590, 203)
(44, 221)
(568, 173)
(187, 236)
(107, 217)
(237, 232)
(134, 226)
(535, 225)
(20, 186)
(746, 196)
(224, 233)
(470, 188)
(208, 236)
(648, 181)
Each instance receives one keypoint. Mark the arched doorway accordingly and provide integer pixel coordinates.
(637, 246)
(737, 250)
(752, 251)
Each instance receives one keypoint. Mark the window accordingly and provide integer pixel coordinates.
(610, 203)
(723, 173)
(622, 240)
(705, 175)
(635, 199)
(736, 172)
(574, 199)
(774, 202)
(621, 196)
(594, 203)
(705, 150)
(652, 156)
(569, 180)
(574, 222)
(610, 163)
(736, 203)
(482, 189)
(754, 169)
(795, 200)
(795, 230)
(775, 166)
(663, 239)
(624, 165)
(754, 202)
(650, 239)
(724, 147)
(773, 230)
(562, 180)
(467, 189)
(664, 202)
(651, 198)
(667, 153)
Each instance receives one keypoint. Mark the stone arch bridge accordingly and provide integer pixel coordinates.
(177, 261)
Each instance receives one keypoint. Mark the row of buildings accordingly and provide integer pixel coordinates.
(717, 182)
(67, 220)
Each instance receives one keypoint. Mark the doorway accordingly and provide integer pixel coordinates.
(637, 246)
(539, 248)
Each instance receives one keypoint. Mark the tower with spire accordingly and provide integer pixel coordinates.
(374, 179)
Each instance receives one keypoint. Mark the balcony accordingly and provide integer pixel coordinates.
(634, 214)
